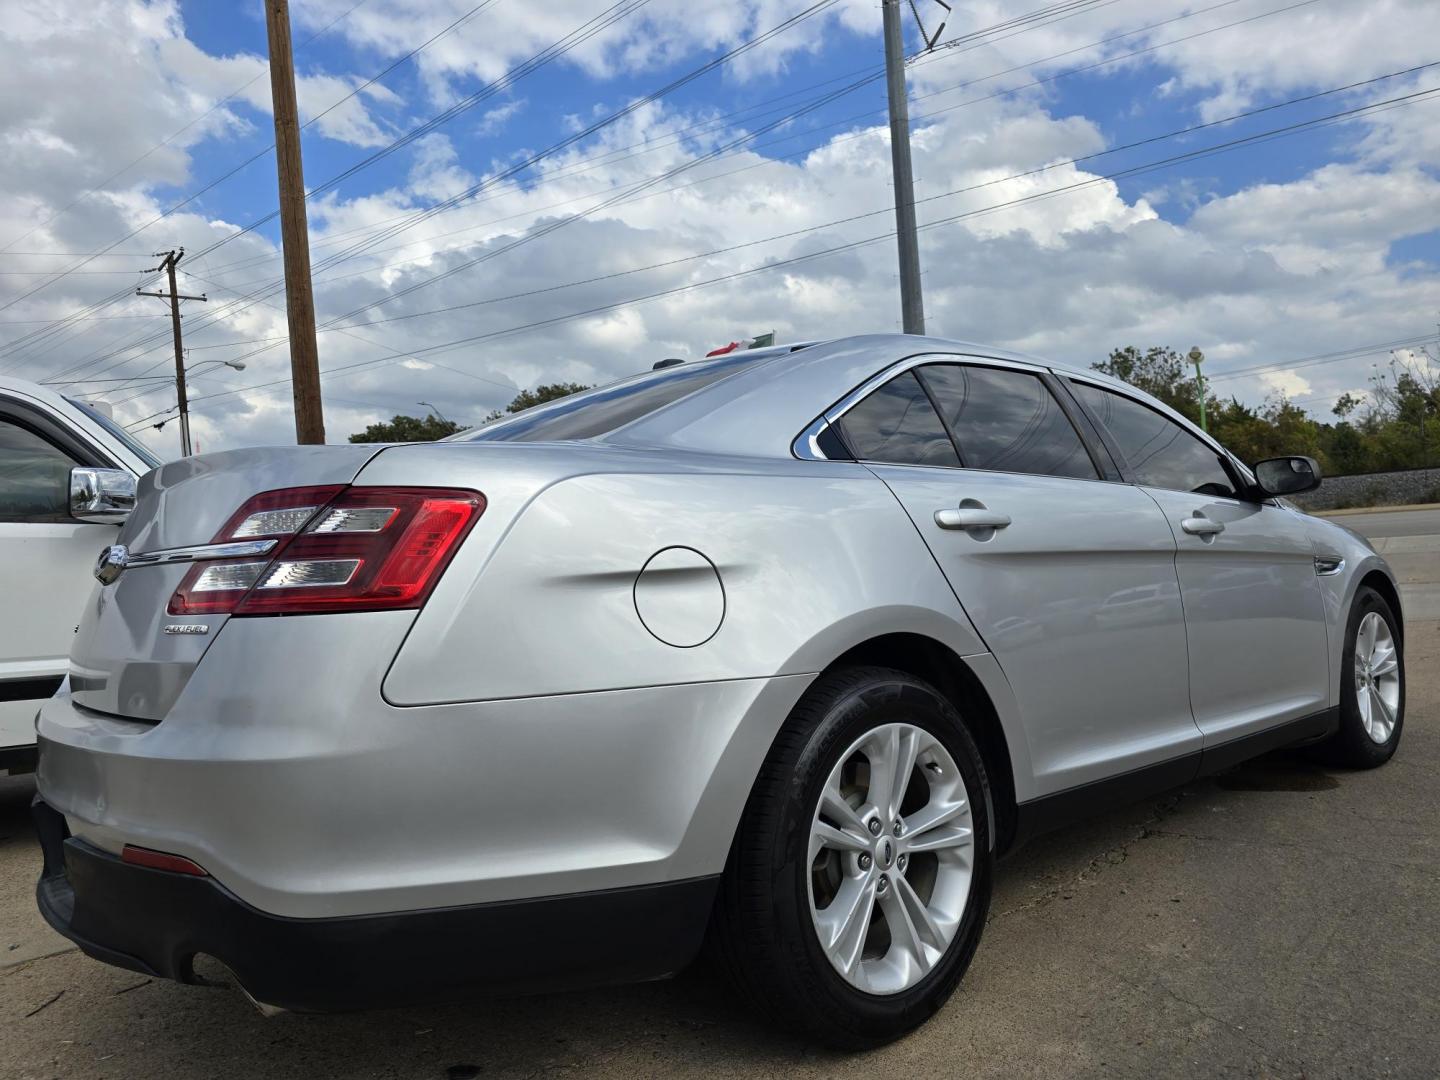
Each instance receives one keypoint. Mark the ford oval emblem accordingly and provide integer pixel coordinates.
(111, 564)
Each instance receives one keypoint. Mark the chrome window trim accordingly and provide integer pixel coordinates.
(807, 443)
(806, 448)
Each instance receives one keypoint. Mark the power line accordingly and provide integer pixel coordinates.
(620, 154)
(778, 264)
(608, 158)
(221, 179)
(1050, 14)
(552, 52)
(857, 217)
(584, 32)
(630, 192)
(1379, 348)
(591, 129)
(626, 196)
(623, 197)
(957, 191)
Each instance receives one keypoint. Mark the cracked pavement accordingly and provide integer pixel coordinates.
(1280, 920)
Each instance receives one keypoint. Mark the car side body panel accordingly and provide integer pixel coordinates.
(1253, 612)
(810, 559)
(1078, 601)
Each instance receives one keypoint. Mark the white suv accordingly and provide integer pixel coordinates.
(67, 480)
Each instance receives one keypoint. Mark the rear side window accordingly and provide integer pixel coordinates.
(1159, 451)
(34, 477)
(592, 413)
(898, 425)
(1007, 421)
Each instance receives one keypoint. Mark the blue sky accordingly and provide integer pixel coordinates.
(1120, 100)
(1275, 252)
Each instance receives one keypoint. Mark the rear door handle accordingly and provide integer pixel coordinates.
(971, 518)
(1200, 525)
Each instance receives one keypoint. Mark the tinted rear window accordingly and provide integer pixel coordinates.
(898, 425)
(599, 412)
(1007, 421)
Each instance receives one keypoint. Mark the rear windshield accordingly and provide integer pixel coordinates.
(598, 412)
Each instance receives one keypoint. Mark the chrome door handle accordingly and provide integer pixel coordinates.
(971, 518)
(1200, 525)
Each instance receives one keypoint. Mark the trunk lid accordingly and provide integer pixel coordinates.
(123, 661)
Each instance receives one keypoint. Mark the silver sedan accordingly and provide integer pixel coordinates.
(776, 651)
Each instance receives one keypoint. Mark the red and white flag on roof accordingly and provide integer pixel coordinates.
(761, 342)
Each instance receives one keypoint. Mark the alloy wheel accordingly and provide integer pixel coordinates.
(891, 856)
(1377, 677)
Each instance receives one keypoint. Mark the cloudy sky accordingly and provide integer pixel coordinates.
(511, 193)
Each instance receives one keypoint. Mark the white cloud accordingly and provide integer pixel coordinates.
(1288, 384)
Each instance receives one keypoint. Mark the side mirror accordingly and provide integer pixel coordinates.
(1287, 475)
(102, 496)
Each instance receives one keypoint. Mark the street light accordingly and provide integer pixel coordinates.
(433, 409)
(238, 365)
(1196, 357)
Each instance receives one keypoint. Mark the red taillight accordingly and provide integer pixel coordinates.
(160, 860)
(340, 549)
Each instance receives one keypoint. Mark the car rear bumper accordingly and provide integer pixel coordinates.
(156, 922)
(308, 796)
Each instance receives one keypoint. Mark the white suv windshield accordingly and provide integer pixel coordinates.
(118, 433)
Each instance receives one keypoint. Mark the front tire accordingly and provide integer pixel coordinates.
(1372, 691)
(859, 882)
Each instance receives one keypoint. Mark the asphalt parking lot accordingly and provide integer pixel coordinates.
(1279, 920)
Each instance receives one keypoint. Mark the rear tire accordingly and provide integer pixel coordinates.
(801, 862)
(1372, 687)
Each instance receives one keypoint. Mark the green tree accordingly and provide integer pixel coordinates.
(1393, 425)
(1160, 371)
(1345, 448)
(408, 429)
(1346, 404)
(1252, 434)
(527, 399)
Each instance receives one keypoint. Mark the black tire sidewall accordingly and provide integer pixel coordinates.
(883, 698)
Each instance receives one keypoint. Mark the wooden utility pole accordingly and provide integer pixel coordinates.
(294, 230)
(171, 258)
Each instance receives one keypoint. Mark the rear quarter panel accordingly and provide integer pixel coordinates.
(813, 558)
